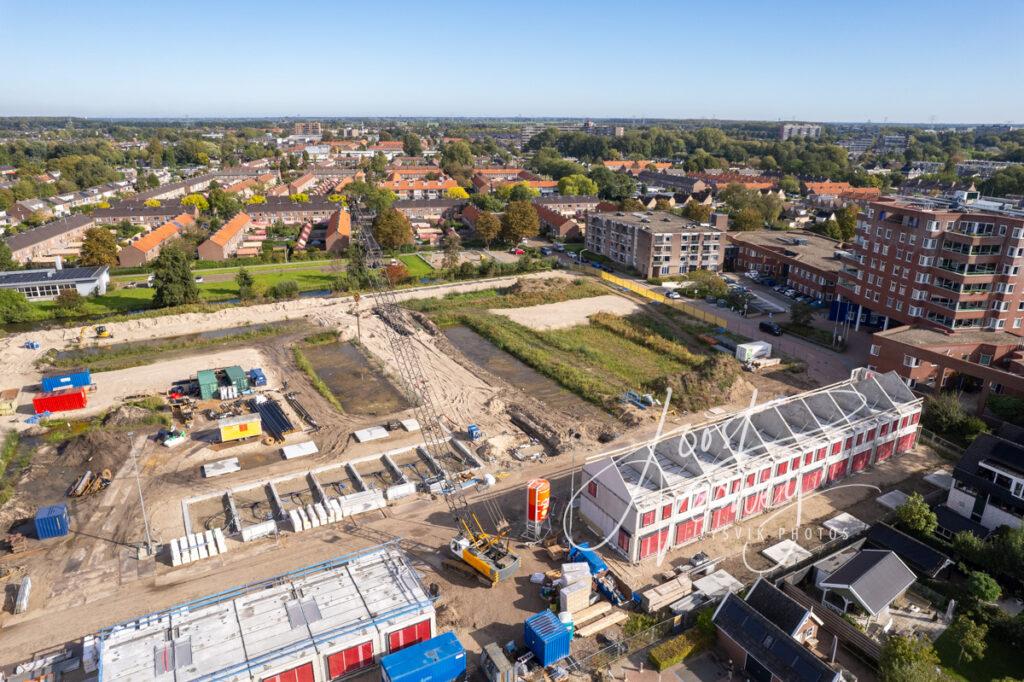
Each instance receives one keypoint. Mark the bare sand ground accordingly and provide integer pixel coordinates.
(334, 312)
(567, 313)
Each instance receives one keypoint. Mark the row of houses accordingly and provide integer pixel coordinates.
(704, 479)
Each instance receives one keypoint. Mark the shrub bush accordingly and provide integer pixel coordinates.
(677, 649)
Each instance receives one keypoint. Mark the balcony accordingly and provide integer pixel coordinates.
(854, 257)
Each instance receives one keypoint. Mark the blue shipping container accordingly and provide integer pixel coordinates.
(547, 637)
(77, 379)
(441, 659)
(257, 377)
(52, 521)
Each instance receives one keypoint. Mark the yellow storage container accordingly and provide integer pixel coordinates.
(237, 428)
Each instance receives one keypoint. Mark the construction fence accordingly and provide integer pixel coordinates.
(647, 292)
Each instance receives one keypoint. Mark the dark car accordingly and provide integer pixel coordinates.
(770, 328)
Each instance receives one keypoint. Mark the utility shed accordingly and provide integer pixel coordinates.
(237, 378)
(207, 380)
(314, 624)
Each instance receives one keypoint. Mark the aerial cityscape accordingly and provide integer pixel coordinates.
(332, 356)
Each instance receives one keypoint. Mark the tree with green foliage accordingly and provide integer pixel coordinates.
(7, 261)
(456, 158)
(487, 202)
(908, 659)
(983, 587)
(697, 212)
(286, 289)
(411, 144)
(69, 302)
(611, 185)
(373, 198)
(98, 247)
(846, 217)
(970, 636)
(915, 516)
(1005, 181)
(801, 314)
(452, 250)
(392, 230)
(944, 415)
(197, 200)
(789, 184)
(547, 161)
(830, 228)
(14, 307)
(172, 278)
(577, 184)
(520, 220)
(747, 219)
(246, 284)
(487, 228)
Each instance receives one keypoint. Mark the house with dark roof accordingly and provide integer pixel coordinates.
(923, 560)
(762, 650)
(796, 621)
(870, 580)
(988, 486)
(47, 284)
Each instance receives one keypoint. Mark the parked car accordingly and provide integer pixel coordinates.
(790, 292)
(779, 288)
(573, 255)
(722, 303)
(545, 251)
(560, 248)
(710, 299)
(516, 251)
(770, 327)
(199, 279)
(673, 295)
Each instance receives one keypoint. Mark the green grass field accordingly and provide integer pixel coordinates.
(123, 300)
(417, 266)
(1000, 660)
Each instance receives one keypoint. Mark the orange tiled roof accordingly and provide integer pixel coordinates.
(161, 234)
(408, 185)
(498, 171)
(388, 146)
(832, 188)
(232, 227)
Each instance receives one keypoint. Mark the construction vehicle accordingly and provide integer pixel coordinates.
(91, 483)
(103, 333)
(487, 554)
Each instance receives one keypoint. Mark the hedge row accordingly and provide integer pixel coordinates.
(677, 649)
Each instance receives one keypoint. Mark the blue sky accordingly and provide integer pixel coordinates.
(900, 60)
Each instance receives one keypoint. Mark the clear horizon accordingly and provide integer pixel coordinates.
(884, 63)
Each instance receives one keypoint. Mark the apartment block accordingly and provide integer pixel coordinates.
(655, 243)
(803, 130)
(806, 261)
(949, 263)
(707, 477)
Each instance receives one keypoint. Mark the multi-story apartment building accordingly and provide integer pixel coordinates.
(806, 261)
(706, 478)
(793, 130)
(949, 263)
(307, 128)
(655, 243)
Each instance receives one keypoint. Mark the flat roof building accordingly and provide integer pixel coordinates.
(806, 261)
(705, 478)
(311, 625)
(44, 285)
(655, 243)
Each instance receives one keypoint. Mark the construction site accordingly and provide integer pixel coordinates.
(185, 456)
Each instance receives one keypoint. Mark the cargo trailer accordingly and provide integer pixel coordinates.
(56, 381)
(239, 428)
(441, 659)
(237, 378)
(60, 401)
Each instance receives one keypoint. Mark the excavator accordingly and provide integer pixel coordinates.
(487, 555)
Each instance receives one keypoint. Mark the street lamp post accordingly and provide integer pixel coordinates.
(142, 502)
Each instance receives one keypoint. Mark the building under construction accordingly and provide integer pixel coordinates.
(707, 477)
(311, 625)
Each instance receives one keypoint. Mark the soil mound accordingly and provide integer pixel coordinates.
(96, 450)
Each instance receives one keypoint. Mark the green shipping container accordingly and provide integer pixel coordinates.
(237, 378)
(207, 379)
